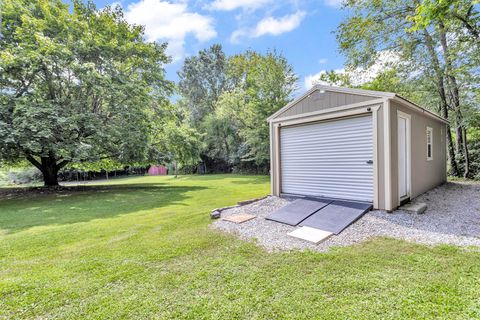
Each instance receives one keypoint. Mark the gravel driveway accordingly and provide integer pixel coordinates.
(452, 217)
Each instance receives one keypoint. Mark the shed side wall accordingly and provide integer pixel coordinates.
(425, 174)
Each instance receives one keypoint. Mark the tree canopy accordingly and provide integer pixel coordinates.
(228, 99)
(76, 85)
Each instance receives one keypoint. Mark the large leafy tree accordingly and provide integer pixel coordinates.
(266, 83)
(174, 141)
(76, 84)
(202, 80)
(182, 144)
(228, 99)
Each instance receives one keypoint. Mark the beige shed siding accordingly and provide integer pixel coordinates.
(425, 174)
(320, 101)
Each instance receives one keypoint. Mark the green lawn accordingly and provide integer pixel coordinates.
(142, 248)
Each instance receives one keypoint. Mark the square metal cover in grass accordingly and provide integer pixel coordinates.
(239, 218)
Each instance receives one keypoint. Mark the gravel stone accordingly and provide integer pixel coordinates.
(215, 214)
(452, 217)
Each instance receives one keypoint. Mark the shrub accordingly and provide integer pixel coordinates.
(23, 175)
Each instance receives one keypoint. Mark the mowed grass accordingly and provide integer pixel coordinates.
(142, 248)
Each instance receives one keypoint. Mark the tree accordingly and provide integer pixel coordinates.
(202, 81)
(462, 12)
(456, 24)
(182, 144)
(203, 78)
(227, 100)
(376, 26)
(77, 85)
(265, 83)
(221, 134)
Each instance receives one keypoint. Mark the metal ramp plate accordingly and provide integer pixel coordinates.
(297, 211)
(336, 216)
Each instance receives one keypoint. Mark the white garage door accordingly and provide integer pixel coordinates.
(331, 159)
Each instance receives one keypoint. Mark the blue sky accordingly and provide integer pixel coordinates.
(300, 29)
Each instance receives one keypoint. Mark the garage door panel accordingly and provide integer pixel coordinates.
(333, 182)
(338, 189)
(340, 149)
(333, 128)
(328, 159)
(333, 132)
(352, 179)
(350, 143)
(359, 136)
(326, 156)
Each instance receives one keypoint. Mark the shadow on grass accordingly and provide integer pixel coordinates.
(236, 178)
(253, 180)
(23, 208)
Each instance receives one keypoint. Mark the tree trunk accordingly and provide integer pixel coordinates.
(49, 171)
(461, 137)
(466, 172)
(49, 167)
(440, 84)
(451, 149)
(50, 178)
(458, 138)
(458, 132)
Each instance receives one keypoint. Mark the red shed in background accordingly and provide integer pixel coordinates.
(157, 171)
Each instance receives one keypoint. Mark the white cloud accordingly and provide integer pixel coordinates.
(323, 61)
(313, 79)
(385, 60)
(270, 26)
(171, 22)
(229, 5)
(277, 26)
(237, 35)
(334, 3)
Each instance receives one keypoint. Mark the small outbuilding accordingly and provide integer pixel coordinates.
(358, 145)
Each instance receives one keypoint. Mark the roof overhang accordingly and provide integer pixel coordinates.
(411, 105)
(371, 93)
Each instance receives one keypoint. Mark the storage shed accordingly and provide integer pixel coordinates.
(356, 144)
